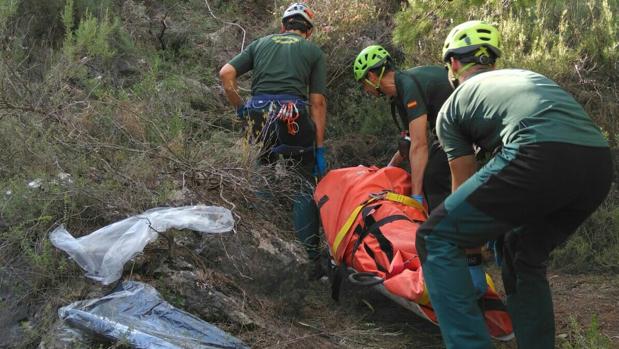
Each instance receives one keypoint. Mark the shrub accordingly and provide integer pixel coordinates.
(585, 337)
(582, 56)
(595, 246)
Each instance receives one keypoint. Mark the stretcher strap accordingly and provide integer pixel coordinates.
(425, 296)
(402, 199)
(405, 200)
(346, 227)
(323, 200)
(490, 304)
(373, 228)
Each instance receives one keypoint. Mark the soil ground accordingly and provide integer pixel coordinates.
(288, 312)
(366, 319)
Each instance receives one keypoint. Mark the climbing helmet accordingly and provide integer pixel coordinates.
(468, 37)
(299, 9)
(371, 57)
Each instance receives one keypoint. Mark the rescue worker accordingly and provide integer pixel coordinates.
(417, 94)
(287, 110)
(530, 197)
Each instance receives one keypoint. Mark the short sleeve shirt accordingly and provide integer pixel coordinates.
(512, 106)
(421, 90)
(283, 63)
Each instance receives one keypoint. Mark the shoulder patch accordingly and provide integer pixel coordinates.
(411, 104)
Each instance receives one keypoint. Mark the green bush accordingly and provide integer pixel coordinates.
(95, 37)
(595, 246)
(585, 337)
(575, 43)
(128, 147)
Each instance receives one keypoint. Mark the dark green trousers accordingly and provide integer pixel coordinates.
(298, 155)
(529, 197)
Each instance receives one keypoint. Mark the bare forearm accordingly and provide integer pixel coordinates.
(233, 96)
(418, 153)
(418, 158)
(227, 75)
(461, 169)
(318, 112)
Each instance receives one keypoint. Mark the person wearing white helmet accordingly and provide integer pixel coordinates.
(287, 110)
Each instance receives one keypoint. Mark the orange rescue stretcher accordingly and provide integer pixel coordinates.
(370, 223)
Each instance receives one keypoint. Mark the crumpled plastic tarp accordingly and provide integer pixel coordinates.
(136, 314)
(104, 252)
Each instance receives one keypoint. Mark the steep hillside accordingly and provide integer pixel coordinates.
(111, 107)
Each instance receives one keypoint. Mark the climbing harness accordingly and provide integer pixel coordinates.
(289, 113)
(282, 112)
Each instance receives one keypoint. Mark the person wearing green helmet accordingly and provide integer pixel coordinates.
(417, 94)
(529, 197)
(287, 111)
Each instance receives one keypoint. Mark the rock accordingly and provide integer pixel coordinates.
(11, 315)
(203, 97)
(62, 336)
(202, 299)
(179, 197)
(615, 154)
(225, 43)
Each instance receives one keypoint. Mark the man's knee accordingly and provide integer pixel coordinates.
(420, 245)
(521, 257)
(425, 230)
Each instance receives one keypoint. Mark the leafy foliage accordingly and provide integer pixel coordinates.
(585, 337)
(124, 98)
(595, 248)
(573, 42)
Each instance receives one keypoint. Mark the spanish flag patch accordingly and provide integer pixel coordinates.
(412, 104)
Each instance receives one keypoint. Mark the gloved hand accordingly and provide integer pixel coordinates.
(478, 275)
(418, 197)
(497, 247)
(241, 111)
(321, 164)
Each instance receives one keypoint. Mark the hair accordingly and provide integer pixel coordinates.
(296, 22)
(388, 66)
(470, 57)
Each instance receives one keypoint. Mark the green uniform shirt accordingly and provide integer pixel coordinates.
(512, 106)
(283, 64)
(421, 90)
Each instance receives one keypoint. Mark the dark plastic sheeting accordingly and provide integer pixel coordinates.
(136, 314)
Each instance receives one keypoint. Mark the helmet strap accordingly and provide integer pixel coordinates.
(458, 75)
(454, 77)
(481, 56)
(377, 84)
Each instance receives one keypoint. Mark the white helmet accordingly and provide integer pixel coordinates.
(301, 10)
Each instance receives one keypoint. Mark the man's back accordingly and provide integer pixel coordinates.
(283, 64)
(512, 106)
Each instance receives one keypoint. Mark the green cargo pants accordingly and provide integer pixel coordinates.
(532, 198)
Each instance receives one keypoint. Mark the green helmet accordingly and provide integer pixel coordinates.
(371, 57)
(470, 36)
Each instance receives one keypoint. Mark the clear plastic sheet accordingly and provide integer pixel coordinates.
(104, 252)
(135, 314)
